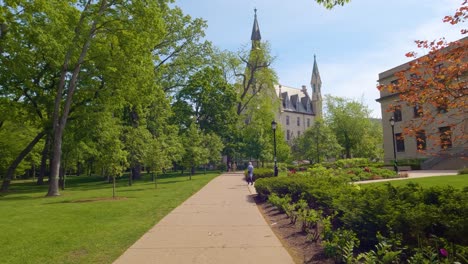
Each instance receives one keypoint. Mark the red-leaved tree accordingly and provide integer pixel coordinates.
(436, 84)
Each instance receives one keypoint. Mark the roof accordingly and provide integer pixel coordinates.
(294, 100)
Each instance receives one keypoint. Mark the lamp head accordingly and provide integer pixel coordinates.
(392, 121)
(273, 125)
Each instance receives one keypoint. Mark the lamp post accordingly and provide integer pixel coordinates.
(273, 126)
(392, 124)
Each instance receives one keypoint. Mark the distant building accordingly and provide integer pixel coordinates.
(447, 148)
(298, 110)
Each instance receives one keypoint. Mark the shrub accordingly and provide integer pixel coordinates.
(222, 166)
(413, 212)
(260, 173)
(415, 164)
(463, 171)
(349, 163)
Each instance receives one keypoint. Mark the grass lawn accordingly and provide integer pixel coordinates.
(82, 225)
(457, 181)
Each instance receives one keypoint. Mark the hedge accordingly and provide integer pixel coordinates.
(414, 213)
(260, 173)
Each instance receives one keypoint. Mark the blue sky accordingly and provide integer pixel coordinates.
(353, 43)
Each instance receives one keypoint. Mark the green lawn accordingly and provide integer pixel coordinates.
(82, 225)
(457, 181)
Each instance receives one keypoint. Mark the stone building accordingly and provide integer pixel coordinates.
(298, 110)
(442, 143)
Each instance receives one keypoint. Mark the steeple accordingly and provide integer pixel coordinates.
(316, 84)
(315, 81)
(256, 37)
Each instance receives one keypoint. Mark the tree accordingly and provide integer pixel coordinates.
(435, 83)
(195, 151)
(111, 158)
(316, 144)
(329, 4)
(254, 77)
(62, 58)
(208, 99)
(350, 121)
(214, 145)
(257, 101)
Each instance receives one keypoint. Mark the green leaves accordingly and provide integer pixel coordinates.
(329, 4)
(351, 123)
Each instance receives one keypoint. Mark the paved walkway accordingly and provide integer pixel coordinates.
(219, 224)
(417, 174)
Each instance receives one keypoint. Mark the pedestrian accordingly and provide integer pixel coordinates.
(250, 170)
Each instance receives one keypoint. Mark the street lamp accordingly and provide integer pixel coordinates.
(392, 124)
(273, 126)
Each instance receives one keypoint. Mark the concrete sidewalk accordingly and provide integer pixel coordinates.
(412, 174)
(219, 224)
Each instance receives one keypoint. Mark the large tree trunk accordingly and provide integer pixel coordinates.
(60, 115)
(55, 164)
(17, 161)
(44, 157)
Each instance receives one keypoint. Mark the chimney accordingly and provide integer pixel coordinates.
(304, 90)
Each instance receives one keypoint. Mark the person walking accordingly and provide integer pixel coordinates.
(250, 170)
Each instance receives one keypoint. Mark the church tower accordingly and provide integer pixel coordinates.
(316, 84)
(256, 37)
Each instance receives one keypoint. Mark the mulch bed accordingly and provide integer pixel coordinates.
(291, 236)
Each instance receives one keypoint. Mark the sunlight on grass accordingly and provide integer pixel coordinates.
(457, 181)
(84, 224)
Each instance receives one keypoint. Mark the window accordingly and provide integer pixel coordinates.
(287, 120)
(288, 135)
(394, 82)
(418, 111)
(421, 140)
(298, 133)
(445, 137)
(298, 121)
(442, 107)
(308, 122)
(400, 142)
(414, 76)
(397, 113)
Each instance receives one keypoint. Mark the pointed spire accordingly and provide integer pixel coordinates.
(315, 81)
(255, 31)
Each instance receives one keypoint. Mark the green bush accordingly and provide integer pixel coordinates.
(260, 173)
(463, 171)
(415, 164)
(222, 166)
(350, 163)
(367, 173)
(411, 212)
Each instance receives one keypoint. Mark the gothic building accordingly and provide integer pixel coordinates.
(298, 110)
